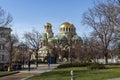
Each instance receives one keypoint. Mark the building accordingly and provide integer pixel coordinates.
(5, 34)
(65, 46)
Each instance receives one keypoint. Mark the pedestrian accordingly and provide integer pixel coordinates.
(48, 65)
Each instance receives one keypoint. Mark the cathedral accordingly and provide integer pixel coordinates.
(65, 46)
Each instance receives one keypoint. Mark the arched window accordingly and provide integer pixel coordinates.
(72, 29)
(67, 29)
(60, 29)
(63, 29)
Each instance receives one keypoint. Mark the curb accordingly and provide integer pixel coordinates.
(27, 77)
(2, 75)
(33, 75)
(114, 79)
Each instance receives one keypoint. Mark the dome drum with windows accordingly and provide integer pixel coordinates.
(67, 27)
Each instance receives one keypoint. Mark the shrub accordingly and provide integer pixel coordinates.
(1, 67)
(67, 65)
(113, 64)
(96, 66)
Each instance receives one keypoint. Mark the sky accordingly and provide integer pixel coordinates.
(33, 14)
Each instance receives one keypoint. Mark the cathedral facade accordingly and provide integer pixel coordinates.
(65, 46)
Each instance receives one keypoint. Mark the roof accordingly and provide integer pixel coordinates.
(44, 48)
(43, 38)
(50, 39)
(66, 25)
(60, 37)
(76, 37)
(5, 28)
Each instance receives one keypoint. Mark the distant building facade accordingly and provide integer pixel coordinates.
(65, 46)
(5, 34)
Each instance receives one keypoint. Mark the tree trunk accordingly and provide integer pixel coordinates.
(106, 57)
(37, 59)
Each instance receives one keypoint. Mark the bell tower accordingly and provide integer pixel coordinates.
(48, 30)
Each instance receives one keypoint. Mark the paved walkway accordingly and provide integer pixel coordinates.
(114, 79)
(24, 74)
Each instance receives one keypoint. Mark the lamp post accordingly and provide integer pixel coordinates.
(69, 55)
(29, 56)
(48, 59)
(29, 63)
(36, 58)
(22, 50)
(69, 47)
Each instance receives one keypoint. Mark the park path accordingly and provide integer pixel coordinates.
(114, 79)
(24, 74)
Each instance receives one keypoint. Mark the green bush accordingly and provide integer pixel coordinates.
(113, 64)
(67, 65)
(96, 66)
(1, 67)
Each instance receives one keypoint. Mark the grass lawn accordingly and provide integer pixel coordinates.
(81, 73)
(3, 72)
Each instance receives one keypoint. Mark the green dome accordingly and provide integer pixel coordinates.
(43, 39)
(60, 37)
(76, 37)
(50, 39)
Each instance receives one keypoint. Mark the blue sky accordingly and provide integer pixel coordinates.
(33, 14)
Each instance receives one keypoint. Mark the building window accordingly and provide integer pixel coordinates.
(63, 29)
(2, 57)
(66, 29)
(69, 29)
(2, 35)
(72, 29)
(2, 46)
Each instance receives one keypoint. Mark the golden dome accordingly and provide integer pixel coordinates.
(48, 25)
(66, 25)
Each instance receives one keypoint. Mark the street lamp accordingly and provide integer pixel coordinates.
(48, 58)
(69, 55)
(29, 56)
(36, 57)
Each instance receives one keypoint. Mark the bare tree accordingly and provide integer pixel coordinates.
(91, 48)
(12, 42)
(5, 19)
(33, 41)
(103, 19)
